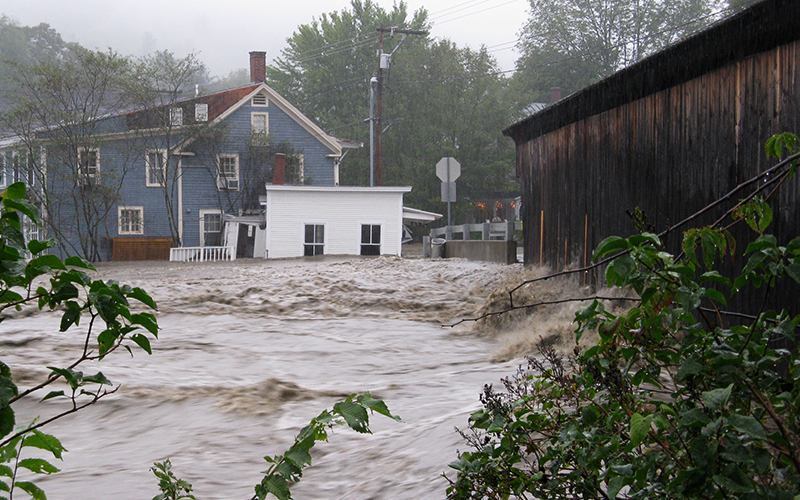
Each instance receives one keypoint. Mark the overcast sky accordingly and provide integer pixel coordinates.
(223, 32)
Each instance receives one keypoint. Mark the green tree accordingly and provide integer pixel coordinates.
(56, 107)
(681, 397)
(573, 43)
(439, 100)
(103, 312)
(162, 81)
(26, 45)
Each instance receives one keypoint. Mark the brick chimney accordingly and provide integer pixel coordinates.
(279, 169)
(555, 93)
(258, 67)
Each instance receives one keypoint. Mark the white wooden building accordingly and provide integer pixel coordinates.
(333, 220)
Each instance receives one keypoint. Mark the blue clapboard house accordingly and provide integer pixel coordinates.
(175, 173)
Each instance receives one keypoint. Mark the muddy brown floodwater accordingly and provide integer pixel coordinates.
(251, 350)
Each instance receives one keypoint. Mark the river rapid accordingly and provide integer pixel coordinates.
(250, 350)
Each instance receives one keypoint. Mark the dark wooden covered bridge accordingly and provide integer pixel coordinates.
(668, 135)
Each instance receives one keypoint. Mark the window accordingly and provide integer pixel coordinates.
(155, 162)
(314, 243)
(210, 228)
(88, 165)
(259, 123)
(175, 117)
(131, 220)
(370, 239)
(260, 100)
(201, 112)
(228, 172)
(3, 174)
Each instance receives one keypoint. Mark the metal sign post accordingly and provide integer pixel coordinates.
(448, 170)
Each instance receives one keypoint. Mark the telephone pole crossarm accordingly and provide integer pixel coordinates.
(379, 91)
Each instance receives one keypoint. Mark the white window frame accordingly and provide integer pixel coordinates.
(202, 214)
(176, 117)
(381, 236)
(201, 112)
(86, 177)
(256, 100)
(149, 169)
(124, 226)
(253, 124)
(314, 242)
(224, 178)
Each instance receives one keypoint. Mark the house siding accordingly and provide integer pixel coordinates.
(669, 150)
(124, 140)
(341, 211)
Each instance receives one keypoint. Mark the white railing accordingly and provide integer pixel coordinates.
(201, 254)
(486, 230)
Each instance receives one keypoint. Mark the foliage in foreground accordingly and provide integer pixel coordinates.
(287, 468)
(100, 310)
(678, 399)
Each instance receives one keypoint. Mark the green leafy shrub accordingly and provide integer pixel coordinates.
(678, 399)
(29, 277)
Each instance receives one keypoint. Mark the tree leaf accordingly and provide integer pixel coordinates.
(31, 489)
(45, 442)
(747, 425)
(717, 399)
(38, 465)
(276, 485)
(640, 426)
(142, 342)
(354, 414)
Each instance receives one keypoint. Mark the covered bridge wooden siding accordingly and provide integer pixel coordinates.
(669, 135)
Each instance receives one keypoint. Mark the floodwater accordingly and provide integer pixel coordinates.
(249, 351)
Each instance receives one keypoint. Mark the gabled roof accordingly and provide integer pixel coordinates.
(223, 104)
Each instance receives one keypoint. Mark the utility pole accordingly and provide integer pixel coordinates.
(384, 61)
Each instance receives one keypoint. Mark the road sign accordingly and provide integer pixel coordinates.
(448, 191)
(448, 169)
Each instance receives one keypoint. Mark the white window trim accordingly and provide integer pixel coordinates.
(222, 180)
(202, 214)
(120, 230)
(254, 104)
(95, 177)
(381, 224)
(325, 235)
(148, 167)
(176, 117)
(201, 112)
(253, 130)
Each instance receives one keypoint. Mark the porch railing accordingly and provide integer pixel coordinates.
(201, 254)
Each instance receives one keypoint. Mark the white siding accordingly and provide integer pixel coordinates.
(341, 210)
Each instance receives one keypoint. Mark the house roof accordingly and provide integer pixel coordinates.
(222, 104)
(759, 28)
(339, 189)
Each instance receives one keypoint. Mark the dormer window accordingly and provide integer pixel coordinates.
(201, 112)
(259, 99)
(176, 117)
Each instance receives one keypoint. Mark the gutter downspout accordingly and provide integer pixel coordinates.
(180, 198)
